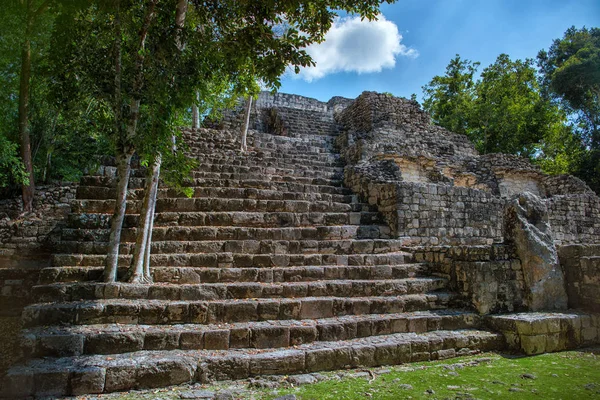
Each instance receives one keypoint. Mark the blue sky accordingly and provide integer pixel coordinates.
(436, 30)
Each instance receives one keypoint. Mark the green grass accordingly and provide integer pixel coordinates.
(567, 375)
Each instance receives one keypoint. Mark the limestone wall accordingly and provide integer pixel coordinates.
(488, 278)
(292, 115)
(391, 125)
(433, 186)
(581, 266)
(574, 218)
(34, 234)
(278, 100)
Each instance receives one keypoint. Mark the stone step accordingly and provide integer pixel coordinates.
(299, 170)
(269, 174)
(295, 187)
(150, 369)
(275, 159)
(116, 339)
(166, 312)
(178, 245)
(64, 292)
(160, 233)
(270, 159)
(210, 134)
(233, 219)
(249, 166)
(288, 152)
(262, 144)
(185, 204)
(103, 192)
(239, 260)
(254, 161)
(185, 275)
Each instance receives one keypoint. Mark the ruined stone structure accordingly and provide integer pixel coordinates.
(352, 233)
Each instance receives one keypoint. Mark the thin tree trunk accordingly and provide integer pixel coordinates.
(244, 135)
(139, 274)
(29, 188)
(140, 267)
(195, 117)
(112, 257)
(126, 150)
(152, 208)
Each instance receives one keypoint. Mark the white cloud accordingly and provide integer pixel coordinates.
(352, 45)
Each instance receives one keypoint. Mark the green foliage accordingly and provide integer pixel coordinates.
(503, 111)
(11, 167)
(570, 73)
(219, 54)
(65, 141)
(449, 98)
(509, 113)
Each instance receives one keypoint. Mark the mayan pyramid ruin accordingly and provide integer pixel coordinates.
(351, 233)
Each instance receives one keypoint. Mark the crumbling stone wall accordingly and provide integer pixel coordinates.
(297, 114)
(436, 189)
(415, 188)
(488, 278)
(581, 265)
(33, 235)
(574, 218)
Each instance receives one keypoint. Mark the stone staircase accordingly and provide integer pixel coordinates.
(272, 267)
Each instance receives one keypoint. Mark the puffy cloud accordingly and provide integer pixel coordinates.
(352, 45)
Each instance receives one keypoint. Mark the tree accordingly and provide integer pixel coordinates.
(510, 115)
(24, 23)
(449, 98)
(570, 74)
(63, 141)
(147, 78)
(503, 111)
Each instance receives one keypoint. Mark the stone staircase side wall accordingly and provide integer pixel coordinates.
(295, 122)
(32, 235)
(574, 218)
(487, 278)
(298, 115)
(432, 214)
(15, 289)
(581, 266)
(538, 332)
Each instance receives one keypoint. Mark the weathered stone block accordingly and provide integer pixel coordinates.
(216, 339)
(51, 383)
(191, 340)
(60, 345)
(161, 340)
(302, 334)
(270, 337)
(87, 381)
(277, 362)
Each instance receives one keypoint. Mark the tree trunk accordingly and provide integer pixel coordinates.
(29, 188)
(138, 273)
(123, 173)
(195, 117)
(127, 149)
(152, 208)
(244, 146)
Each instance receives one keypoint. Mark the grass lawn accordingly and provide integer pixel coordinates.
(567, 375)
